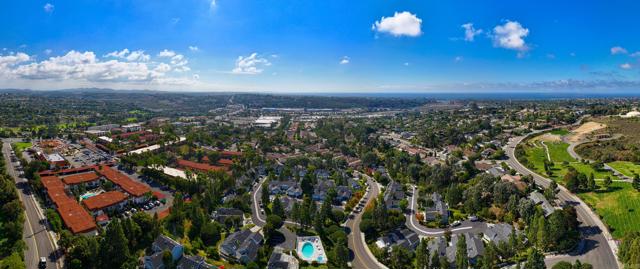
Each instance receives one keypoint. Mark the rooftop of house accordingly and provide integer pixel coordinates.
(539, 199)
(80, 178)
(104, 200)
(281, 260)
(193, 262)
(205, 167)
(498, 232)
(74, 216)
(475, 247)
(241, 243)
(134, 188)
(401, 237)
(164, 242)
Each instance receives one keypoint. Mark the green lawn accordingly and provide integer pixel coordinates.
(626, 168)
(21, 146)
(619, 208)
(559, 132)
(536, 155)
(558, 152)
(587, 170)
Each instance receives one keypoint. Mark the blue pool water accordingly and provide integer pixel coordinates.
(88, 195)
(307, 250)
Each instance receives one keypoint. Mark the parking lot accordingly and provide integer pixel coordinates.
(83, 156)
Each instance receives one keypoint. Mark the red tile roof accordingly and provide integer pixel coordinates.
(225, 162)
(203, 167)
(76, 218)
(104, 200)
(158, 195)
(102, 218)
(134, 188)
(73, 215)
(80, 178)
(231, 153)
(163, 214)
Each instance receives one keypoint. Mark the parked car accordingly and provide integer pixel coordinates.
(43, 263)
(456, 223)
(473, 218)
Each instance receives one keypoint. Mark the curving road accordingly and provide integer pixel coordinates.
(362, 256)
(413, 223)
(597, 246)
(39, 240)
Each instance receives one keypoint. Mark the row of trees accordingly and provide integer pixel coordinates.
(11, 222)
(117, 246)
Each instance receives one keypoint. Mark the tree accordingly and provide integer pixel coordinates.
(114, 248)
(462, 260)
(265, 193)
(435, 261)
(535, 260)
(400, 258)
(341, 254)
(13, 261)
(636, 182)
(422, 255)
(276, 208)
(607, 182)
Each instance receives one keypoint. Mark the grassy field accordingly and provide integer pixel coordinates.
(558, 152)
(619, 208)
(560, 132)
(21, 146)
(626, 168)
(536, 155)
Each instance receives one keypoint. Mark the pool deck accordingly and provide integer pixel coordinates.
(318, 254)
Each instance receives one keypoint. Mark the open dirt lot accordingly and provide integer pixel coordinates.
(581, 132)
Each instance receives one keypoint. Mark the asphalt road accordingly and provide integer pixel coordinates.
(39, 240)
(362, 256)
(597, 246)
(260, 219)
(413, 223)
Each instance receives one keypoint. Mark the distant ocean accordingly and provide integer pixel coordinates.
(486, 95)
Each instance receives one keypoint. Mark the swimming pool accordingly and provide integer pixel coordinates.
(87, 195)
(307, 250)
(310, 249)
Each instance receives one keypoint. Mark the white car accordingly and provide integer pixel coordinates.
(456, 223)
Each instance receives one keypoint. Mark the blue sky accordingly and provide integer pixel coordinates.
(321, 46)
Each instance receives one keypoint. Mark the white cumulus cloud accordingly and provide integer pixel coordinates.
(48, 7)
(194, 48)
(126, 67)
(167, 53)
(618, 50)
(511, 35)
(626, 66)
(345, 60)
(470, 32)
(250, 65)
(401, 24)
(136, 55)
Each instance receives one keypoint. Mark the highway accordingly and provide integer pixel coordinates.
(413, 223)
(597, 246)
(39, 240)
(362, 256)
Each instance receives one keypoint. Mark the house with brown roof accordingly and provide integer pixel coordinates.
(76, 218)
(200, 167)
(107, 201)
